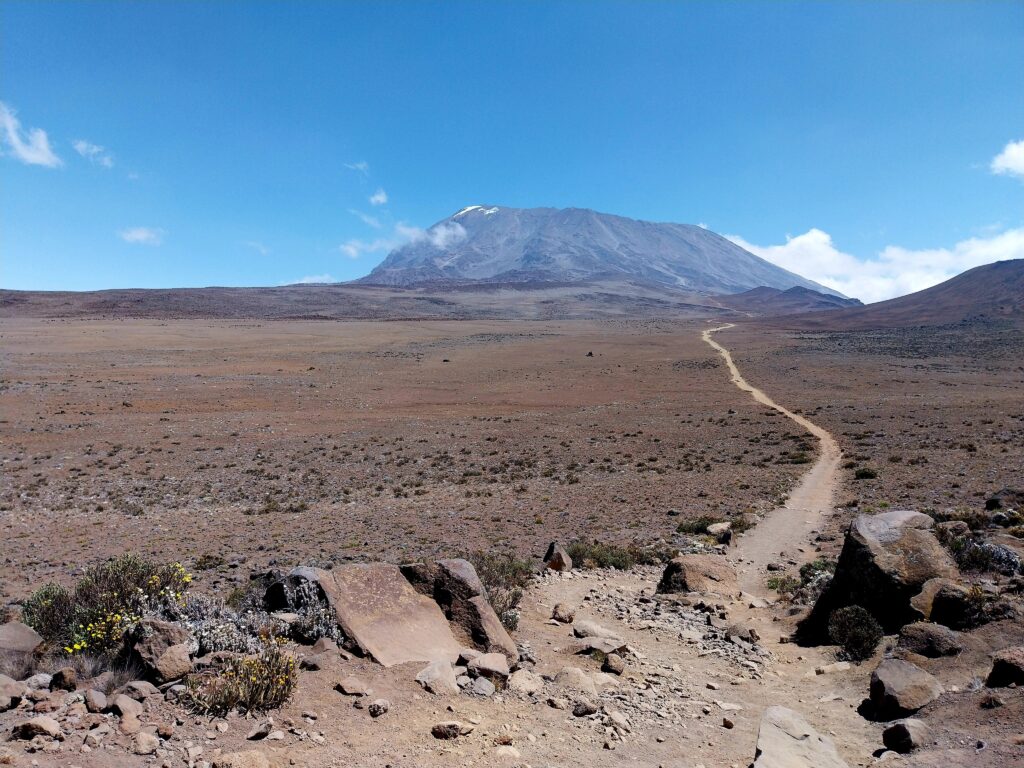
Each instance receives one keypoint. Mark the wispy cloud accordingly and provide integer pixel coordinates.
(142, 235)
(380, 197)
(309, 279)
(894, 271)
(259, 247)
(362, 167)
(94, 153)
(31, 146)
(367, 219)
(440, 236)
(1010, 162)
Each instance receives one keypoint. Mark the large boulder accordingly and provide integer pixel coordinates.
(885, 561)
(18, 638)
(1007, 668)
(556, 558)
(943, 601)
(899, 688)
(699, 573)
(929, 640)
(786, 740)
(162, 648)
(378, 610)
(454, 585)
(11, 693)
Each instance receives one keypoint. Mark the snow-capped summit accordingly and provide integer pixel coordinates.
(499, 244)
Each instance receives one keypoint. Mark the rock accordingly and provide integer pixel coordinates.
(378, 707)
(438, 677)
(324, 645)
(945, 602)
(584, 629)
(506, 752)
(1007, 668)
(899, 688)
(126, 706)
(563, 614)
(905, 735)
(352, 686)
(885, 561)
(260, 731)
(450, 729)
(141, 689)
(17, 638)
(556, 558)
(525, 682)
(584, 708)
(378, 610)
(721, 532)
(95, 701)
(64, 679)
(313, 663)
(786, 740)
(38, 682)
(37, 726)
(248, 759)
(480, 686)
(574, 679)
(456, 588)
(161, 647)
(492, 666)
(699, 573)
(743, 632)
(614, 664)
(146, 743)
(929, 640)
(11, 693)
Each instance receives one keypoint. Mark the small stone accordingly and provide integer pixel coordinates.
(614, 664)
(64, 679)
(37, 726)
(352, 686)
(727, 723)
(450, 729)
(905, 735)
(261, 731)
(584, 708)
(563, 613)
(146, 743)
(378, 707)
(95, 701)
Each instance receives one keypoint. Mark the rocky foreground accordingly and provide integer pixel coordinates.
(669, 666)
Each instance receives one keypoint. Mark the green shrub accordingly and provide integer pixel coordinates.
(784, 585)
(504, 576)
(249, 684)
(856, 631)
(865, 473)
(698, 525)
(601, 555)
(105, 603)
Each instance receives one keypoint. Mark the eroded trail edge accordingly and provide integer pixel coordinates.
(787, 528)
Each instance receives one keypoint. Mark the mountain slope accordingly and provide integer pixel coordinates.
(772, 301)
(985, 293)
(565, 245)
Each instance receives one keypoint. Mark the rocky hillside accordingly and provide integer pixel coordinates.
(495, 243)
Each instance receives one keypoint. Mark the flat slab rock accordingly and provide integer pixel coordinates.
(384, 615)
(786, 740)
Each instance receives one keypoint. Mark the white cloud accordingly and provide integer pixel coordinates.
(441, 236)
(259, 247)
(361, 167)
(316, 279)
(380, 197)
(142, 235)
(31, 147)
(370, 221)
(94, 153)
(1010, 161)
(894, 271)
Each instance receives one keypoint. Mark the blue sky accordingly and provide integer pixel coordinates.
(868, 145)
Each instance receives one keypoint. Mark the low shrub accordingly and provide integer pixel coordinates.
(856, 630)
(598, 554)
(218, 627)
(248, 684)
(784, 584)
(865, 473)
(504, 576)
(698, 525)
(107, 601)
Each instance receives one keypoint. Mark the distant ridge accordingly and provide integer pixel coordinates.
(564, 245)
(991, 292)
(772, 301)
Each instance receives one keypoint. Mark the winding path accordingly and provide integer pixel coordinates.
(789, 527)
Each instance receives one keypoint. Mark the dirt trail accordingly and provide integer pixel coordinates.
(788, 528)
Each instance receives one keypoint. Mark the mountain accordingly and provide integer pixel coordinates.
(506, 245)
(986, 293)
(772, 301)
